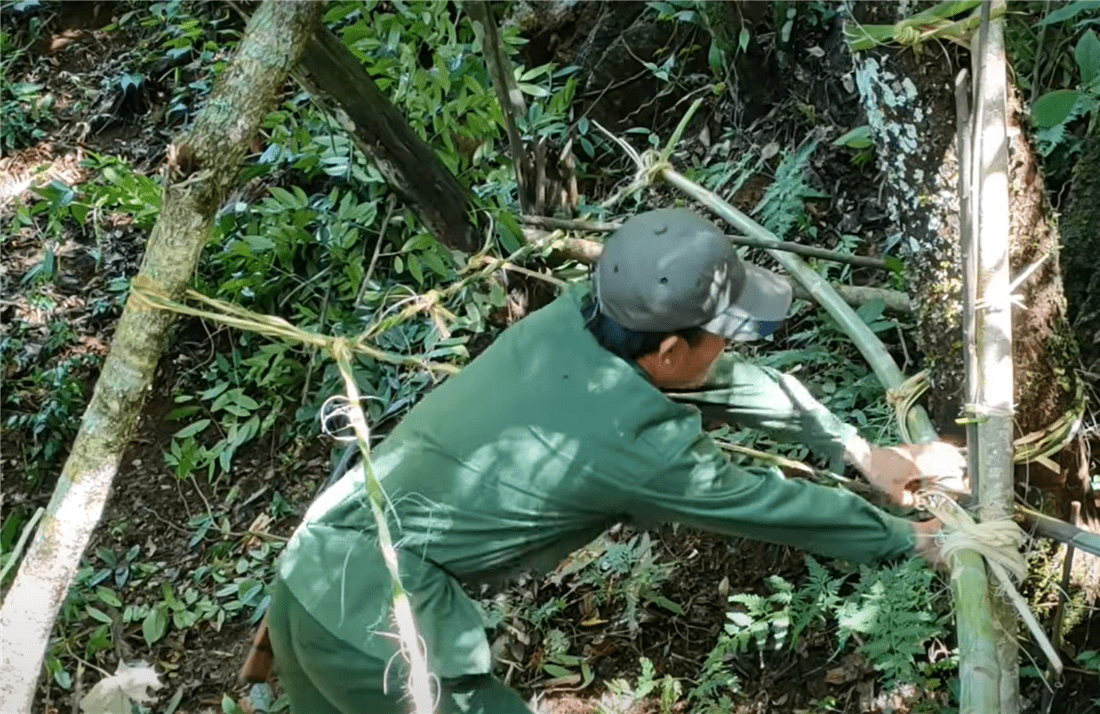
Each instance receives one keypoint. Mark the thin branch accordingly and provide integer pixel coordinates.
(509, 95)
(747, 241)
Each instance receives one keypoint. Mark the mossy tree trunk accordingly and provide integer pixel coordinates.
(203, 167)
(1080, 227)
(908, 97)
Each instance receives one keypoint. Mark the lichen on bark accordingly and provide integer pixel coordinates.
(914, 144)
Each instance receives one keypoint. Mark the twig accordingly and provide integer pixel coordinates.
(528, 272)
(391, 203)
(569, 224)
(511, 99)
(19, 544)
(1067, 571)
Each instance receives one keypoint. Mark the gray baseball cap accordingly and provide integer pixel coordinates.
(669, 269)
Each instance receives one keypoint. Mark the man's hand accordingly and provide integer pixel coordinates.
(926, 545)
(901, 471)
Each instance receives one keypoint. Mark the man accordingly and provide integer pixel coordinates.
(554, 433)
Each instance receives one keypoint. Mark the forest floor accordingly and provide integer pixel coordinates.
(175, 527)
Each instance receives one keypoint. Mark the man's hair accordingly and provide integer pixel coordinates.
(624, 342)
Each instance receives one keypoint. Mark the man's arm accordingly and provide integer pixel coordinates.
(757, 397)
(695, 484)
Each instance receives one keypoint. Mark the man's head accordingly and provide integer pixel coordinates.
(675, 277)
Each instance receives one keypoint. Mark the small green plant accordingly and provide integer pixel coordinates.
(559, 663)
(859, 141)
(759, 620)
(628, 572)
(1055, 110)
(892, 613)
(625, 696)
(784, 205)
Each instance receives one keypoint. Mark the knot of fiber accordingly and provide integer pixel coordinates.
(997, 541)
(907, 36)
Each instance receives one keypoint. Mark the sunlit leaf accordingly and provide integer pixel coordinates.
(116, 694)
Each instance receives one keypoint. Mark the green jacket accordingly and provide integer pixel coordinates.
(535, 448)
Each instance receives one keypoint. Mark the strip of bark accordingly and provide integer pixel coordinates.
(203, 167)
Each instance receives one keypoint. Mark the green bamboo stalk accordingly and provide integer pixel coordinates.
(979, 673)
(920, 426)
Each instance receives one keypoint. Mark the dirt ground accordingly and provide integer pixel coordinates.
(152, 510)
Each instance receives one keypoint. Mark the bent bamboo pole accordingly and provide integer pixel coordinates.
(979, 669)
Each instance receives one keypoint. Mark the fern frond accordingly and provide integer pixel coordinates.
(784, 203)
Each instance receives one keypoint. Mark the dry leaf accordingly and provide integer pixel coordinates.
(114, 694)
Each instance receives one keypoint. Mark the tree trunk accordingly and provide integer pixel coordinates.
(1080, 227)
(203, 164)
(408, 164)
(908, 98)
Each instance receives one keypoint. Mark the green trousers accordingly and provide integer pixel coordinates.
(323, 674)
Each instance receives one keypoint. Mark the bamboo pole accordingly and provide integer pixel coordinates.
(993, 478)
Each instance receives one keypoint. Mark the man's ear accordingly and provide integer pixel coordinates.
(663, 363)
(671, 350)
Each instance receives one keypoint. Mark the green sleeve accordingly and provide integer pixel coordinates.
(698, 486)
(748, 395)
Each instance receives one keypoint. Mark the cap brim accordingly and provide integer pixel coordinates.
(762, 305)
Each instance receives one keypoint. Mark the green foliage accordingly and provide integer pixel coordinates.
(444, 92)
(892, 611)
(628, 695)
(184, 42)
(784, 205)
(558, 662)
(859, 140)
(718, 684)
(129, 595)
(628, 572)
(25, 109)
(760, 619)
(1055, 109)
(1057, 60)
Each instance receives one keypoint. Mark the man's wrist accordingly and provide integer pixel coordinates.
(857, 452)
